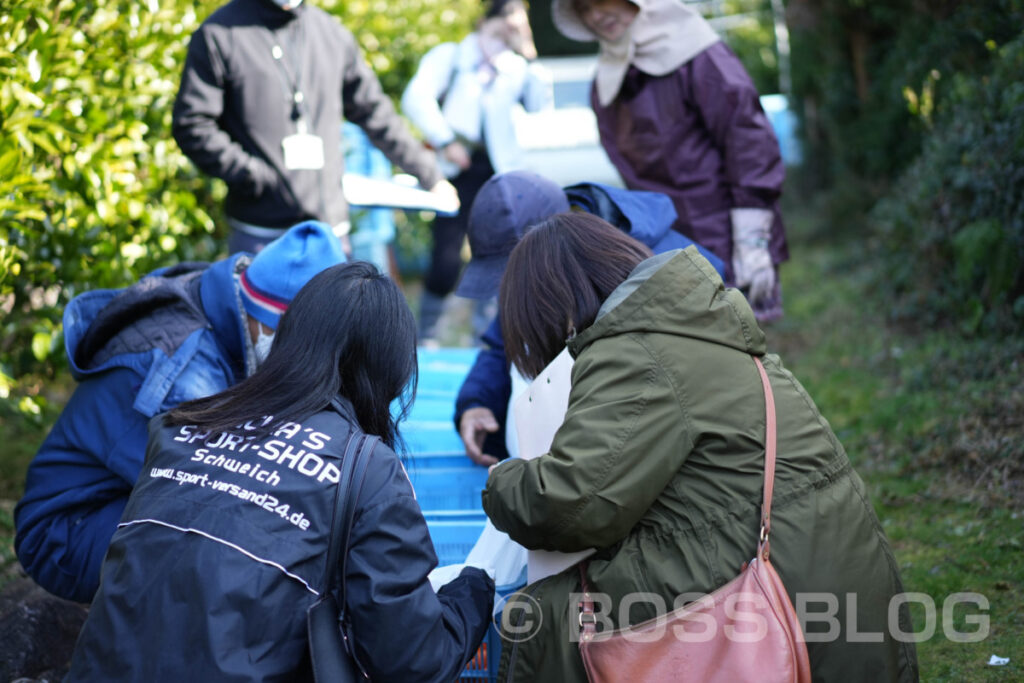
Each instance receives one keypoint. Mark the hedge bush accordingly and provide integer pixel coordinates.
(913, 116)
(93, 190)
(958, 210)
(869, 77)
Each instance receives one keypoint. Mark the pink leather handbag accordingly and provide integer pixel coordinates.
(747, 630)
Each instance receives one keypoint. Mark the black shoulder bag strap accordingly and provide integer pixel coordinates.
(333, 657)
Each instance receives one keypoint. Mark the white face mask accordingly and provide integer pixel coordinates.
(262, 346)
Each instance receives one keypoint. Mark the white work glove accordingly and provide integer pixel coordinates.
(751, 262)
(448, 197)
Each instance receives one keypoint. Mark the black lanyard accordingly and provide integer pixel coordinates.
(287, 53)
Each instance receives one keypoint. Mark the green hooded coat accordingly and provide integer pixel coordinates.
(660, 465)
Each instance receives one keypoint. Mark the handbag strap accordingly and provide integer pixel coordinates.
(769, 460)
(346, 496)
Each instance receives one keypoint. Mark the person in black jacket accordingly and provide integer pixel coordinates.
(264, 89)
(222, 546)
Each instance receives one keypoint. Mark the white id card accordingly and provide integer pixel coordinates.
(303, 151)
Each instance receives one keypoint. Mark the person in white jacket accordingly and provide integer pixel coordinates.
(462, 99)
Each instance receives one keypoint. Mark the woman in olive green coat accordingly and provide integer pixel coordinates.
(659, 463)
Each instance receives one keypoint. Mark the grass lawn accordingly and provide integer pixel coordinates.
(933, 421)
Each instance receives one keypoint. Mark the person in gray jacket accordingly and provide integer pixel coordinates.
(264, 89)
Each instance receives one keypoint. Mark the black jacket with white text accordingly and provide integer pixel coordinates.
(222, 550)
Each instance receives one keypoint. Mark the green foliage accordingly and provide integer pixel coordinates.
(871, 75)
(394, 34)
(958, 210)
(93, 190)
(918, 107)
(923, 407)
(751, 36)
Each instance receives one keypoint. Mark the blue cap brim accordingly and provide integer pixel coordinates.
(482, 277)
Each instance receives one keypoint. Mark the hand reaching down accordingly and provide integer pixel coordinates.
(475, 425)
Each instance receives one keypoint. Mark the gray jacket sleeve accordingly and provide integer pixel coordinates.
(197, 108)
(367, 106)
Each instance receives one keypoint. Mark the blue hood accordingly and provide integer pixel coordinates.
(646, 216)
(105, 328)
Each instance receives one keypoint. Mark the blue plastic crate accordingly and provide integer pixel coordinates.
(428, 428)
(440, 408)
(454, 533)
(447, 482)
(484, 664)
(424, 437)
(441, 371)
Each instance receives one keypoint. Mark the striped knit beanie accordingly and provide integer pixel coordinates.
(280, 269)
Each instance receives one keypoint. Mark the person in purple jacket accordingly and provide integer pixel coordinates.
(678, 114)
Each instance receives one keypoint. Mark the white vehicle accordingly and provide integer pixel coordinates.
(562, 143)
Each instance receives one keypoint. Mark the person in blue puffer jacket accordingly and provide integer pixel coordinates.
(179, 333)
(508, 205)
(222, 548)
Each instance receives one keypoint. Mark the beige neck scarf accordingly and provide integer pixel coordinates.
(664, 35)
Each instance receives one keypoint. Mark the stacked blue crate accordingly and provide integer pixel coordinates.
(446, 482)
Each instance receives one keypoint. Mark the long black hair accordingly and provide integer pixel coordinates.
(348, 332)
(556, 279)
